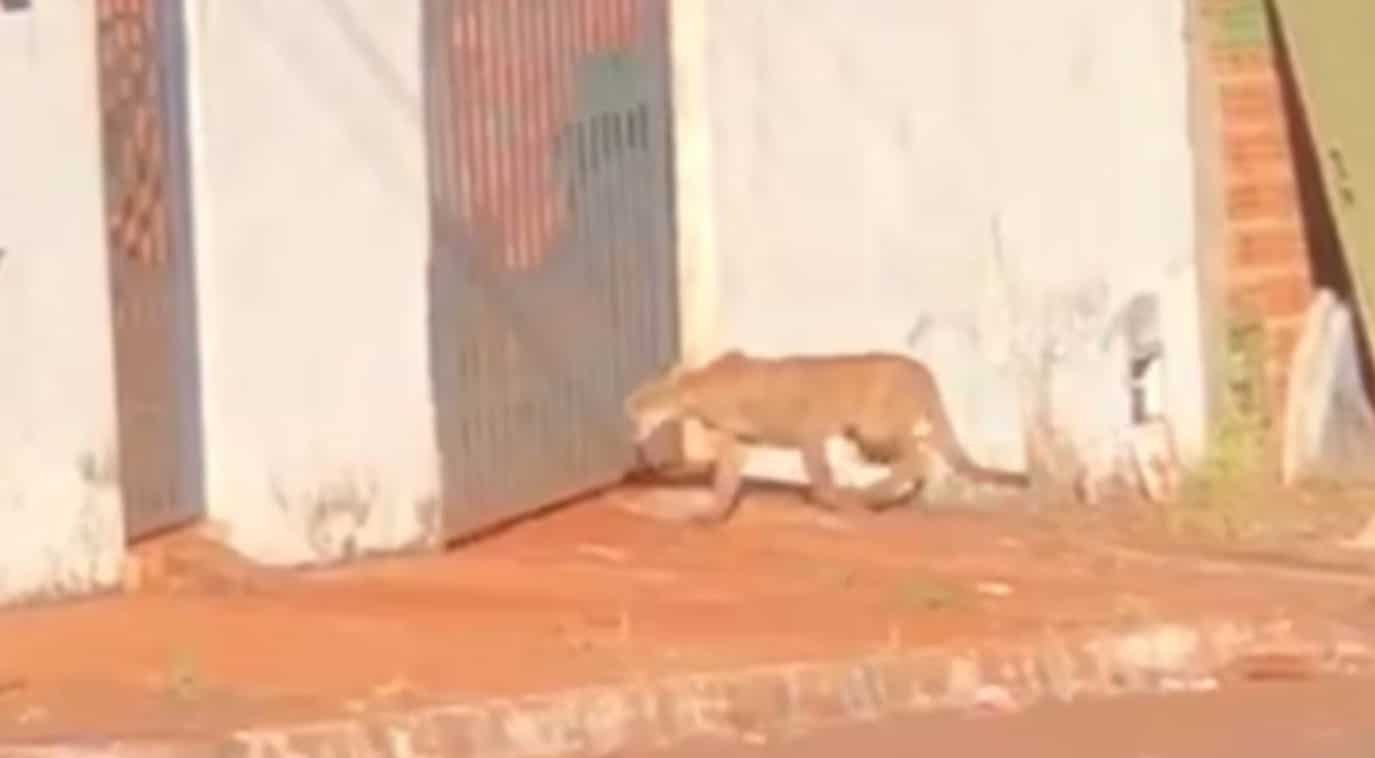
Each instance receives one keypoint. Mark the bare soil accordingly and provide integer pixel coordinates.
(596, 594)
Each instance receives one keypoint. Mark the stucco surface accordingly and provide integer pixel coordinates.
(61, 530)
(312, 236)
(977, 184)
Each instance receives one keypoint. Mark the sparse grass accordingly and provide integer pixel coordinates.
(925, 592)
(184, 680)
(1133, 610)
(1220, 498)
(1233, 496)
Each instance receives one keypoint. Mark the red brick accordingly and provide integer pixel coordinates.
(1281, 296)
(1231, 63)
(1251, 100)
(1268, 247)
(1248, 153)
(1276, 200)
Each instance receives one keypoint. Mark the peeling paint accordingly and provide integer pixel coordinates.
(328, 520)
(332, 514)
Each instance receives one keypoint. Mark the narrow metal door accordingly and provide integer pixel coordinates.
(141, 81)
(552, 271)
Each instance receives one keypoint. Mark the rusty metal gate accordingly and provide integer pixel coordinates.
(141, 78)
(552, 268)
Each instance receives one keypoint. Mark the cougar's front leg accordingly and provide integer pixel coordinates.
(730, 466)
(823, 489)
(679, 471)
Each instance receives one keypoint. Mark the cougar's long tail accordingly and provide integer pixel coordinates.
(944, 441)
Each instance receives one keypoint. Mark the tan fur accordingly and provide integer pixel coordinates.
(888, 404)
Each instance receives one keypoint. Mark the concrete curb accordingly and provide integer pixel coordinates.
(767, 702)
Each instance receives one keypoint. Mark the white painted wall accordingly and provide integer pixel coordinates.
(859, 157)
(61, 529)
(312, 237)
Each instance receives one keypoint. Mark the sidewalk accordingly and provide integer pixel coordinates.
(594, 601)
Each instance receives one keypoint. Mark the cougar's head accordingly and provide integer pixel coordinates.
(653, 404)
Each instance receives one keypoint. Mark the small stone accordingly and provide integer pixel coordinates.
(601, 552)
(992, 697)
(393, 688)
(754, 738)
(32, 714)
(1194, 684)
(1348, 650)
(993, 589)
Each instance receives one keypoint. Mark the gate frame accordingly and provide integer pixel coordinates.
(188, 461)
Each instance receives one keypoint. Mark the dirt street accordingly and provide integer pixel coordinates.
(1316, 719)
(595, 594)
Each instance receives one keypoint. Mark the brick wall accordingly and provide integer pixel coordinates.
(1267, 275)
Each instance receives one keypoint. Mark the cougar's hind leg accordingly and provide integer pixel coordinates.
(730, 466)
(905, 476)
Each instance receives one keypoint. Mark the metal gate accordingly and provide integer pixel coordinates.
(552, 268)
(141, 78)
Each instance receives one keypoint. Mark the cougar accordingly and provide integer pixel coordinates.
(888, 405)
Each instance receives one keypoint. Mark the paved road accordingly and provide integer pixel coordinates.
(1320, 719)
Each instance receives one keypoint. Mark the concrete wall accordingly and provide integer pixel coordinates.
(312, 237)
(860, 163)
(61, 529)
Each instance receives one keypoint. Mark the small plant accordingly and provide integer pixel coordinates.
(1217, 499)
(836, 577)
(98, 470)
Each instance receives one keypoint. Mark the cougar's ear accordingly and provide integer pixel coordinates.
(731, 357)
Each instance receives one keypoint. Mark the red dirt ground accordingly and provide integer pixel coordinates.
(591, 594)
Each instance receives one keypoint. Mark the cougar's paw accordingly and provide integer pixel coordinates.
(709, 520)
(846, 500)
